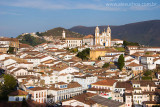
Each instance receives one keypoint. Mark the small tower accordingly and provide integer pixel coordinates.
(97, 31)
(109, 31)
(63, 35)
(109, 35)
(97, 35)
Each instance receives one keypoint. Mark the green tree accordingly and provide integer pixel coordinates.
(126, 43)
(147, 53)
(9, 81)
(106, 65)
(33, 41)
(10, 50)
(39, 34)
(74, 50)
(121, 62)
(84, 54)
(67, 49)
(146, 78)
(147, 73)
(9, 85)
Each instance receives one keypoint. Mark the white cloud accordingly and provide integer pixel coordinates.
(68, 4)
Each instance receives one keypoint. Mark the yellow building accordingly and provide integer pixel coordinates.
(5, 43)
(4, 49)
(14, 42)
(94, 54)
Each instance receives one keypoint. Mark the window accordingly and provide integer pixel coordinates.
(36, 95)
(17, 98)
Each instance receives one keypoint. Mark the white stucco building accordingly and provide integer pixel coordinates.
(85, 81)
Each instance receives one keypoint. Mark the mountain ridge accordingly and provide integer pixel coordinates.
(145, 32)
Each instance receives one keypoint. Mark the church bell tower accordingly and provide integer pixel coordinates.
(63, 35)
(97, 35)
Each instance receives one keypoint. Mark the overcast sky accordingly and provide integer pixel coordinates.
(20, 16)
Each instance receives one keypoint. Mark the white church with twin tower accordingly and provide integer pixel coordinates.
(104, 38)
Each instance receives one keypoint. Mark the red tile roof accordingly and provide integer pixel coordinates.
(133, 64)
(88, 36)
(18, 92)
(108, 82)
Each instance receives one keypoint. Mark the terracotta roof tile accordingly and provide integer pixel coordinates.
(133, 64)
(88, 36)
(107, 82)
(18, 93)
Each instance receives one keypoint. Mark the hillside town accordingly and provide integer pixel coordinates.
(91, 71)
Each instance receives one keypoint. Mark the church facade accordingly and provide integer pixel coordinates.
(104, 38)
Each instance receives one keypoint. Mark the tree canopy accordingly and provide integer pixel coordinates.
(121, 62)
(106, 65)
(10, 50)
(9, 85)
(84, 54)
(39, 34)
(74, 50)
(126, 43)
(30, 40)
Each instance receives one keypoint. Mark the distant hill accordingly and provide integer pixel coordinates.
(57, 32)
(39, 38)
(146, 32)
(30, 40)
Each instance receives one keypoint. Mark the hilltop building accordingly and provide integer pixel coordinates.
(71, 42)
(104, 38)
(5, 43)
(63, 34)
(88, 40)
(117, 42)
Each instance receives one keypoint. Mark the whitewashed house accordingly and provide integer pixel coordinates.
(66, 70)
(7, 61)
(20, 72)
(17, 96)
(116, 42)
(85, 81)
(38, 94)
(53, 78)
(135, 67)
(62, 91)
